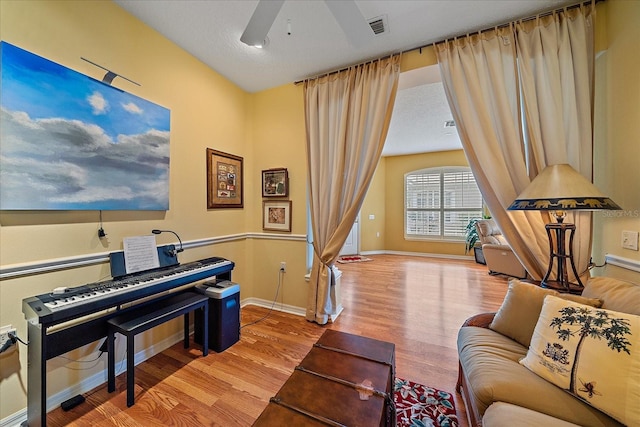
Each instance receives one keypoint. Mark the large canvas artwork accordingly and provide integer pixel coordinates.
(70, 142)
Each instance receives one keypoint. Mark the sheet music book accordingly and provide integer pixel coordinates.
(140, 253)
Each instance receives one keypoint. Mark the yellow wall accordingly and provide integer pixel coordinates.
(418, 59)
(396, 168)
(267, 129)
(206, 111)
(372, 231)
(617, 125)
(278, 140)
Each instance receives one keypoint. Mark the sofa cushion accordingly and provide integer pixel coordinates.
(490, 366)
(502, 414)
(615, 294)
(518, 315)
(592, 353)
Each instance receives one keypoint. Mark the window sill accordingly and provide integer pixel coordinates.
(433, 239)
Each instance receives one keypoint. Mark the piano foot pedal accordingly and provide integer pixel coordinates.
(67, 405)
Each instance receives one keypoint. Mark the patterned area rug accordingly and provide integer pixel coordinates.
(352, 258)
(420, 406)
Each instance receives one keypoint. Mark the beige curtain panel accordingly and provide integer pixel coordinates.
(347, 118)
(553, 58)
(556, 61)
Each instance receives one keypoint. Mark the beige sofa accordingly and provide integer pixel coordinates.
(497, 389)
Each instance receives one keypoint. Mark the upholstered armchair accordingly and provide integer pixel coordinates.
(497, 252)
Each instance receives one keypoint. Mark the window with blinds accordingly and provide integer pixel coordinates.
(439, 202)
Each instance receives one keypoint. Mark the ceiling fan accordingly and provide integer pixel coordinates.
(346, 13)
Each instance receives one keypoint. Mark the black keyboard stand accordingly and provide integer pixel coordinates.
(45, 344)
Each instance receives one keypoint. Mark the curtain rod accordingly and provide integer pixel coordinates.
(506, 24)
(330, 73)
(529, 18)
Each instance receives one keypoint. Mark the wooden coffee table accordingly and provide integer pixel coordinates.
(345, 380)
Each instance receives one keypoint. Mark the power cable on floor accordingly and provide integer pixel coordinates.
(280, 273)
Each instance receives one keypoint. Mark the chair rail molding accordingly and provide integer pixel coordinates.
(46, 266)
(622, 262)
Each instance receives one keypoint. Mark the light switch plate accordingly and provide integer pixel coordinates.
(630, 240)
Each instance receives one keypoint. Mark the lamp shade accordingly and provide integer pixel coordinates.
(560, 187)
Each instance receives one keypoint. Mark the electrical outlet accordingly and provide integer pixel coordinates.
(4, 333)
(630, 240)
(283, 266)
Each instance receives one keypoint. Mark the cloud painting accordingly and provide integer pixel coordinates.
(70, 142)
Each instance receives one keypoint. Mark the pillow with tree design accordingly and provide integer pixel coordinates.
(591, 353)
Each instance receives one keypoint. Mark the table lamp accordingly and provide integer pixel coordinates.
(559, 188)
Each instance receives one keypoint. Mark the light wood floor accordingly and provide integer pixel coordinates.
(417, 303)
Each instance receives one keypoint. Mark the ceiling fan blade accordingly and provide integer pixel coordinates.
(351, 20)
(261, 21)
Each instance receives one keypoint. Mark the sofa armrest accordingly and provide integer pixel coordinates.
(482, 320)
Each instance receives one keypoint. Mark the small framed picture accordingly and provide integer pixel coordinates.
(275, 183)
(224, 180)
(276, 215)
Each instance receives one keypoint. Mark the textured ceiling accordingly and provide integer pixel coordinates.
(211, 29)
(421, 108)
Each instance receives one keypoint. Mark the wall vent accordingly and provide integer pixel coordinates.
(449, 124)
(379, 25)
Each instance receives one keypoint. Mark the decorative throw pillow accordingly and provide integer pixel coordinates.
(518, 315)
(592, 353)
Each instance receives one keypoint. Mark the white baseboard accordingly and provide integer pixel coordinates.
(291, 309)
(338, 311)
(14, 420)
(372, 252)
(286, 308)
(88, 384)
(420, 254)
